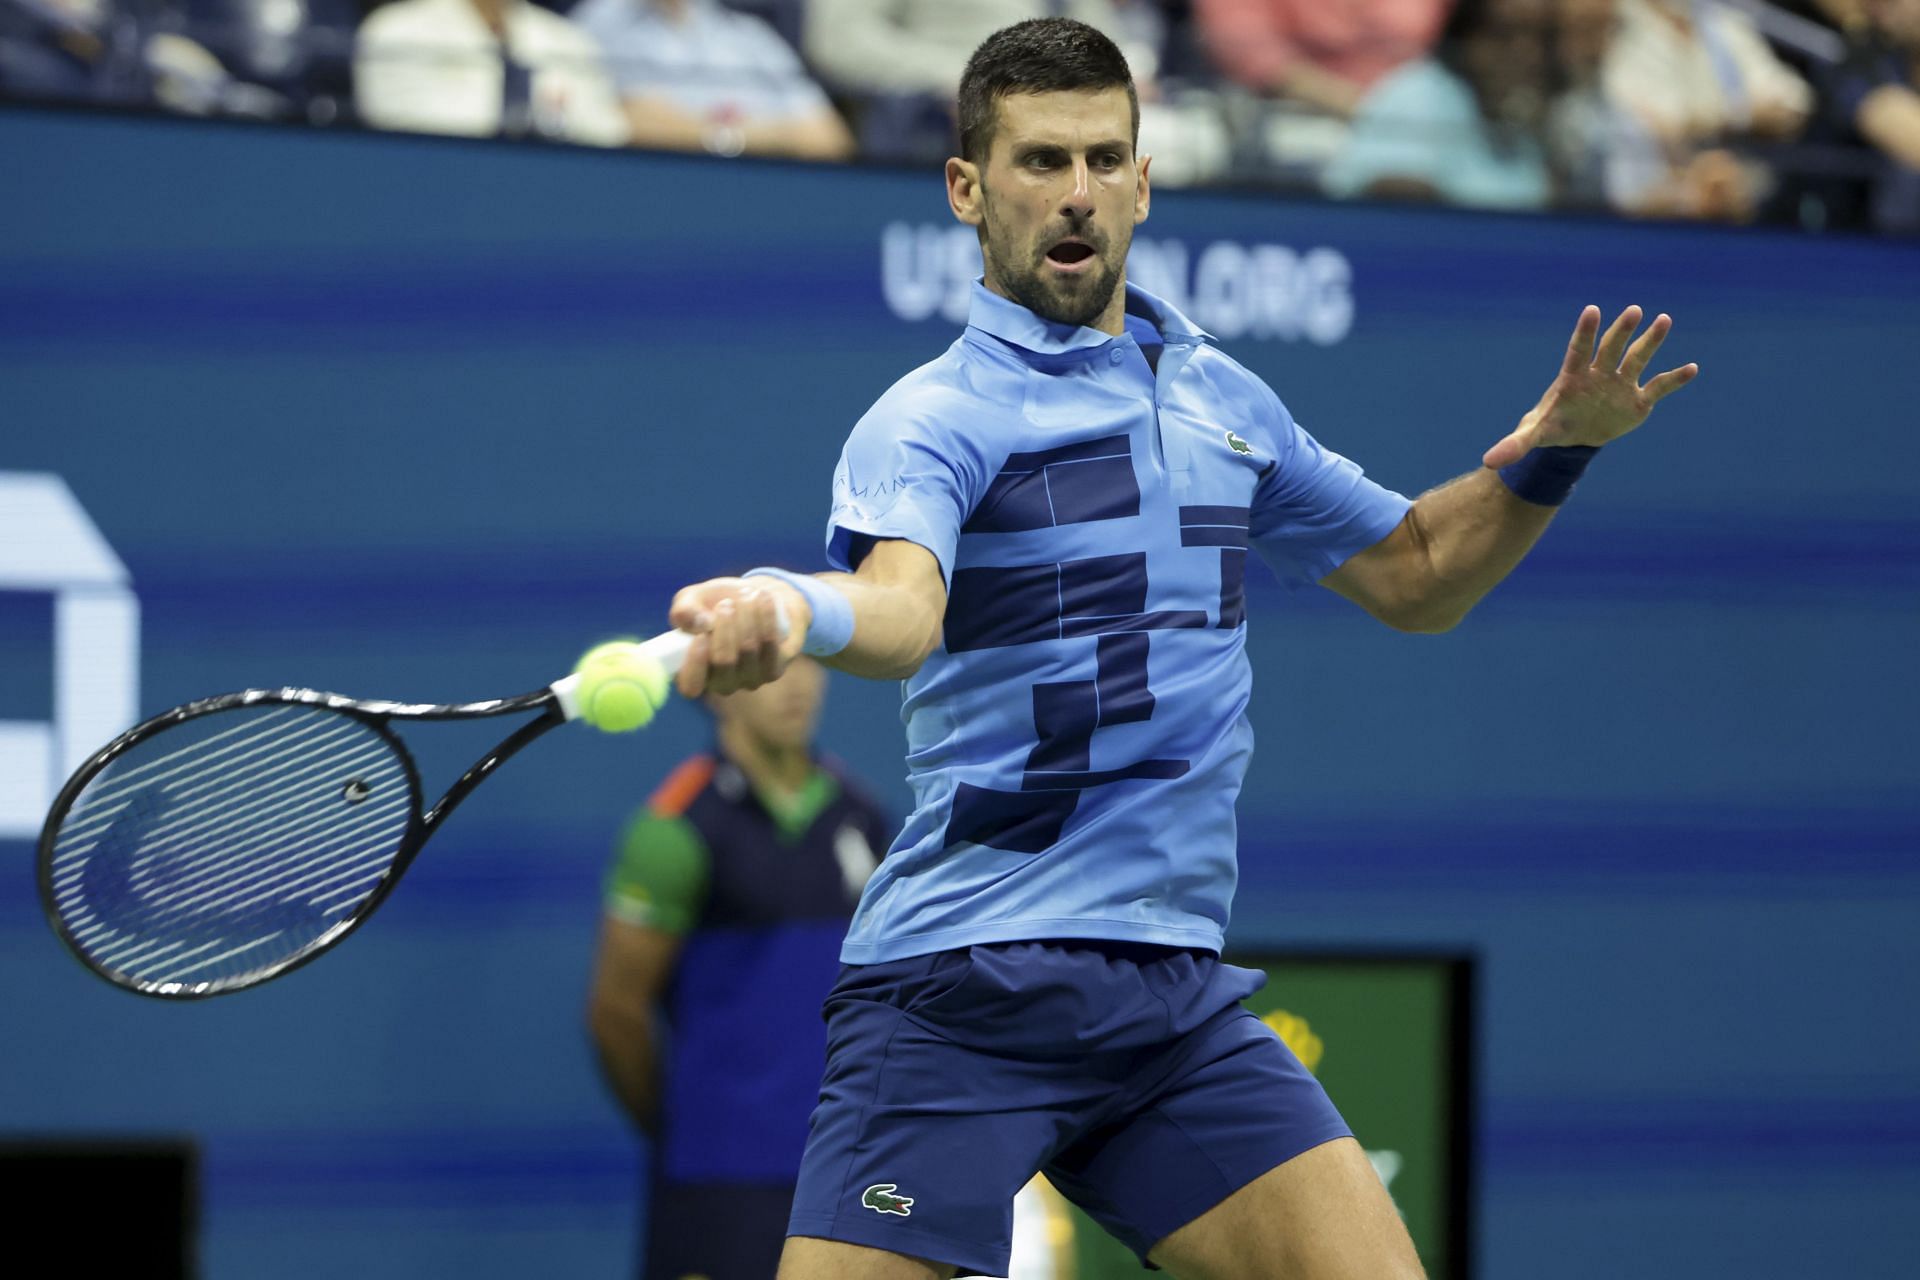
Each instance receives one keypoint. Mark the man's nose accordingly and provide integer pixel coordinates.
(1079, 201)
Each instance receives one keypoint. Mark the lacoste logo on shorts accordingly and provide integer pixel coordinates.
(880, 1198)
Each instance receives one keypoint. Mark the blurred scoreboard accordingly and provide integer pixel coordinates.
(1391, 1037)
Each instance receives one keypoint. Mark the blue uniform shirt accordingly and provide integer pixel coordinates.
(1076, 743)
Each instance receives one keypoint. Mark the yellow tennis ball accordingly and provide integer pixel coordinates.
(620, 686)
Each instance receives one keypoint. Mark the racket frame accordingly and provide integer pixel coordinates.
(375, 715)
(556, 705)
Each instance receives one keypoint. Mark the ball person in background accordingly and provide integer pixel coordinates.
(725, 908)
(1043, 533)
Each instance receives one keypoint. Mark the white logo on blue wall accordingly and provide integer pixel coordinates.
(1269, 292)
(48, 546)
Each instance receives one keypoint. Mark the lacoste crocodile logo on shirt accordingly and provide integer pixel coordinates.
(880, 1198)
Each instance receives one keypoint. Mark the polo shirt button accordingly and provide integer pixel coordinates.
(1115, 356)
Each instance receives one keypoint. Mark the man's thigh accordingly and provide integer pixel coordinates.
(1322, 1215)
(1237, 1105)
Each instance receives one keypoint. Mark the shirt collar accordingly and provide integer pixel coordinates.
(1012, 323)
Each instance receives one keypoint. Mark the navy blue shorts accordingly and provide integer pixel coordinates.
(1130, 1075)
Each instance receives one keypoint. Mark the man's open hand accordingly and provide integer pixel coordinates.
(1597, 396)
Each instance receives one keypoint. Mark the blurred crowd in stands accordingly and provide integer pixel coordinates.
(1797, 111)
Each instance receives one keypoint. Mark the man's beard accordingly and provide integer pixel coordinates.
(1074, 300)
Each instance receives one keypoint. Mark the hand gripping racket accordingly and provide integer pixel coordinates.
(235, 838)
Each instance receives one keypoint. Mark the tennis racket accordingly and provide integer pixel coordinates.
(235, 838)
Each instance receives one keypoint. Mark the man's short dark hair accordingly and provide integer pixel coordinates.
(1040, 55)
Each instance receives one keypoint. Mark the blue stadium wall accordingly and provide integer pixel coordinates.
(421, 419)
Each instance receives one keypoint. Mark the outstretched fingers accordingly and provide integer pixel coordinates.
(1613, 347)
(1580, 346)
(1641, 353)
(1669, 382)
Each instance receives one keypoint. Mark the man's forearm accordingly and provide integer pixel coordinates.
(628, 1057)
(1472, 532)
(892, 632)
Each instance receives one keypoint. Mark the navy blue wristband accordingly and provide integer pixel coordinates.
(1546, 476)
(832, 627)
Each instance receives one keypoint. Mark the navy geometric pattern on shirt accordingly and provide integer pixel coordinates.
(1073, 484)
(1066, 713)
(1226, 528)
(1019, 604)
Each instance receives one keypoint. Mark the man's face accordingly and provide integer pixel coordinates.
(1056, 201)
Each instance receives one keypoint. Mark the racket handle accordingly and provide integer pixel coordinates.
(669, 649)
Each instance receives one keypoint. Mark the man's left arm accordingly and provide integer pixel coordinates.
(1458, 541)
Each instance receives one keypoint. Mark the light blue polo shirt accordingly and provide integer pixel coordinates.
(1076, 743)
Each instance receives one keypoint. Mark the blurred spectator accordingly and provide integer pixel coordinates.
(1463, 124)
(95, 51)
(1698, 74)
(922, 46)
(693, 74)
(902, 59)
(1872, 100)
(482, 68)
(300, 49)
(1601, 156)
(72, 50)
(1325, 54)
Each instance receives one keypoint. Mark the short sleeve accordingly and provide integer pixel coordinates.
(659, 876)
(900, 477)
(1313, 509)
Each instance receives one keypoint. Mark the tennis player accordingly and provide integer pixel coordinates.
(1043, 534)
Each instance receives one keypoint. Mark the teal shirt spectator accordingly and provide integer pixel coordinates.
(1423, 124)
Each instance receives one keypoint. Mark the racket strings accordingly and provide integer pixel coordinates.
(198, 754)
(117, 787)
(219, 849)
(211, 827)
(209, 798)
(170, 894)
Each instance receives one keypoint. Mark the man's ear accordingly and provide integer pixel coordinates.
(964, 196)
(1143, 195)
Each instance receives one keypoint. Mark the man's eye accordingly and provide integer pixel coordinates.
(1040, 162)
(1108, 160)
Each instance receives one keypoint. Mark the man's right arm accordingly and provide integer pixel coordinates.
(630, 975)
(898, 598)
(654, 896)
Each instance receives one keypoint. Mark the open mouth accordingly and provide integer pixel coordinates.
(1069, 253)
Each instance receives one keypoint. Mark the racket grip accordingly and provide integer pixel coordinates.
(669, 649)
